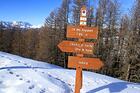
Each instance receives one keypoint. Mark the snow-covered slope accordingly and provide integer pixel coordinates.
(21, 75)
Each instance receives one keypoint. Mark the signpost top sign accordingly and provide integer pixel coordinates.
(82, 32)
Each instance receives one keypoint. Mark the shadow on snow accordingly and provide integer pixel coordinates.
(113, 87)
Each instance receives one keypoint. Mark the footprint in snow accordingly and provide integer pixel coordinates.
(42, 91)
(11, 72)
(28, 81)
(1, 82)
(25, 64)
(96, 81)
(69, 84)
(17, 75)
(19, 62)
(31, 87)
(49, 75)
(8, 69)
(20, 78)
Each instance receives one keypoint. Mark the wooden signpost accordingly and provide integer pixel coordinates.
(82, 32)
(81, 47)
(86, 63)
(76, 47)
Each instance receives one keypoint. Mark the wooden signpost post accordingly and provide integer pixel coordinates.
(81, 47)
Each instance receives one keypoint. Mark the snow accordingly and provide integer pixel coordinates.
(22, 75)
(37, 26)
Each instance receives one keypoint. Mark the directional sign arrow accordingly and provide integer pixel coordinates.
(76, 47)
(86, 63)
(82, 32)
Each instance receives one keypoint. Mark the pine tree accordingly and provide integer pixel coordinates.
(134, 44)
(107, 21)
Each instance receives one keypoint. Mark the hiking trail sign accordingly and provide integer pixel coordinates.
(82, 32)
(85, 63)
(81, 47)
(76, 47)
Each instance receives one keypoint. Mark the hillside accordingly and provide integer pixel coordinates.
(22, 75)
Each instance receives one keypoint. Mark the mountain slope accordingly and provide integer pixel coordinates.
(16, 24)
(21, 75)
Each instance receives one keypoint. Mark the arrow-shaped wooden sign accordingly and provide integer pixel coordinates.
(86, 63)
(82, 32)
(76, 47)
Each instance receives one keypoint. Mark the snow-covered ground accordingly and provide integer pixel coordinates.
(22, 75)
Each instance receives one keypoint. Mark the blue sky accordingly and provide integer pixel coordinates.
(35, 11)
(126, 4)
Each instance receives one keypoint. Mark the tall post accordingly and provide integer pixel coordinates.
(79, 79)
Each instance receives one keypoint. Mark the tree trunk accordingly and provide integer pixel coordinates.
(127, 74)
